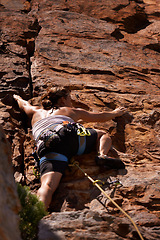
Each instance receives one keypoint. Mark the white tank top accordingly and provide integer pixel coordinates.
(48, 123)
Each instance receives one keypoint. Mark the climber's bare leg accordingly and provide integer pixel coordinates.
(49, 183)
(104, 142)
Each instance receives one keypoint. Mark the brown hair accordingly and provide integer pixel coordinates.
(50, 99)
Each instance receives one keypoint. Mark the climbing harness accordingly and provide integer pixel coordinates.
(52, 134)
(98, 184)
(54, 156)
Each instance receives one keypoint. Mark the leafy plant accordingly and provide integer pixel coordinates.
(32, 210)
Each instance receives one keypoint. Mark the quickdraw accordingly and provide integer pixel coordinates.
(95, 182)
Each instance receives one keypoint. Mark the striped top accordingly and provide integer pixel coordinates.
(48, 123)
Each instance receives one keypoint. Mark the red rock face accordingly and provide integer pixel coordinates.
(108, 52)
(9, 202)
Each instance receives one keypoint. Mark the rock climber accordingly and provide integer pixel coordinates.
(59, 136)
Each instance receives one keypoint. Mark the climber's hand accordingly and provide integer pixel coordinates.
(120, 111)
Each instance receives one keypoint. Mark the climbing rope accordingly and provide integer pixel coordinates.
(95, 182)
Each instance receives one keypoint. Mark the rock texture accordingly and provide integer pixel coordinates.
(9, 202)
(108, 52)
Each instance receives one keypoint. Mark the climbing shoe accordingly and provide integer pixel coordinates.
(110, 163)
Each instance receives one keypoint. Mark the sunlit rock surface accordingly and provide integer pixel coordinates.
(108, 52)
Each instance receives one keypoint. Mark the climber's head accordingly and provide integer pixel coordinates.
(56, 97)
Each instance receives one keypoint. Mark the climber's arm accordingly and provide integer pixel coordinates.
(99, 117)
(25, 106)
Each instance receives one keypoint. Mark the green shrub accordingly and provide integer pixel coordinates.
(32, 210)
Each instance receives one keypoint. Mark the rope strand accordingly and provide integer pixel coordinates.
(98, 186)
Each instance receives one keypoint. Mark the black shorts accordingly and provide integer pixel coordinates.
(67, 145)
(53, 166)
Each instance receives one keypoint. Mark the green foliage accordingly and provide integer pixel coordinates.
(32, 210)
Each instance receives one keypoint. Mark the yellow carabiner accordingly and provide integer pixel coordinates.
(83, 132)
(100, 183)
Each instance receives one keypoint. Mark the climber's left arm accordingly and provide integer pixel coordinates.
(77, 114)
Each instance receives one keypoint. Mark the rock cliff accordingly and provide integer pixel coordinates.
(9, 202)
(108, 52)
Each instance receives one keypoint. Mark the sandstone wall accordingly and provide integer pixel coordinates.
(108, 52)
(9, 202)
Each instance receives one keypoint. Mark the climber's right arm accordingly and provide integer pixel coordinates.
(25, 106)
